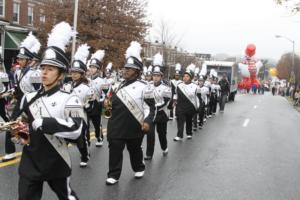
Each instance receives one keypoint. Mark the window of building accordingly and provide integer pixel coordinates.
(2, 8)
(42, 16)
(30, 15)
(16, 12)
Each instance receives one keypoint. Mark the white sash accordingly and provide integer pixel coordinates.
(190, 96)
(59, 145)
(131, 105)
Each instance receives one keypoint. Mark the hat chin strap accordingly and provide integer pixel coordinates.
(55, 81)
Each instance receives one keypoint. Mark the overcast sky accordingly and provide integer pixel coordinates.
(227, 26)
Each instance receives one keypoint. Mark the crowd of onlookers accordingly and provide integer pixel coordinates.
(287, 90)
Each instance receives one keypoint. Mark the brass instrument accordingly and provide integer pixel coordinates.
(107, 108)
(9, 93)
(18, 129)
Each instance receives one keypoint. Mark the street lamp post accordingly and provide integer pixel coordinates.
(75, 27)
(293, 56)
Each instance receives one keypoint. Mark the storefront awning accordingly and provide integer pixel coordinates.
(14, 39)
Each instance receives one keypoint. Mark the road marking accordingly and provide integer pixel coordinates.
(18, 154)
(246, 122)
(255, 107)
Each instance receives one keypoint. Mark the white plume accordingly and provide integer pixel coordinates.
(197, 70)
(134, 50)
(178, 67)
(191, 68)
(99, 55)
(109, 66)
(145, 70)
(213, 73)
(203, 71)
(88, 64)
(29, 41)
(82, 53)
(150, 68)
(60, 35)
(158, 60)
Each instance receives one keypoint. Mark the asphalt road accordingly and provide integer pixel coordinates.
(249, 152)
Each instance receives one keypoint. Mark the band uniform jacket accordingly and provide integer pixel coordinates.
(128, 115)
(161, 95)
(4, 82)
(96, 85)
(46, 157)
(174, 84)
(187, 99)
(24, 82)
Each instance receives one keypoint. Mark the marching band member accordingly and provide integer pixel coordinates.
(96, 85)
(187, 103)
(80, 87)
(161, 94)
(215, 90)
(148, 76)
(4, 89)
(213, 97)
(174, 83)
(25, 84)
(203, 100)
(128, 122)
(108, 73)
(52, 116)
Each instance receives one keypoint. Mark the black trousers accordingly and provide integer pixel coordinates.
(82, 144)
(184, 118)
(214, 102)
(201, 113)
(116, 147)
(161, 128)
(96, 120)
(9, 145)
(33, 189)
(222, 102)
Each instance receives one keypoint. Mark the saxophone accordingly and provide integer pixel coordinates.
(107, 107)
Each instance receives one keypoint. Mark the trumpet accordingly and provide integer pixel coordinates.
(18, 129)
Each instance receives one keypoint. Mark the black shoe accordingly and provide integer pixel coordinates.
(148, 158)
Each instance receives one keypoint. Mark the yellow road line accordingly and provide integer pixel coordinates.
(18, 154)
(10, 162)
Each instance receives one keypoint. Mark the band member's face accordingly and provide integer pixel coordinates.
(156, 78)
(22, 62)
(129, 73)
(107, 74)
(201, 83)
(186, 78)
(148, 77)
(93, 70)
(50, 75)
(76, 76)
(177, 77)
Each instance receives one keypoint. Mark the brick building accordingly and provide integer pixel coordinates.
(16, 21)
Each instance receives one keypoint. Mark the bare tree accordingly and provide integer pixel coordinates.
(293, 6)
(169, 40)
(284, 67)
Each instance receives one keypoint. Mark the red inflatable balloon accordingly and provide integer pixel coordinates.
(250, 50)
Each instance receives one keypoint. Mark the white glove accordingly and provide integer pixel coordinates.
(37, 123)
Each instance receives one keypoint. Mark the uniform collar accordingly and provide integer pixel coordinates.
(51, 91)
